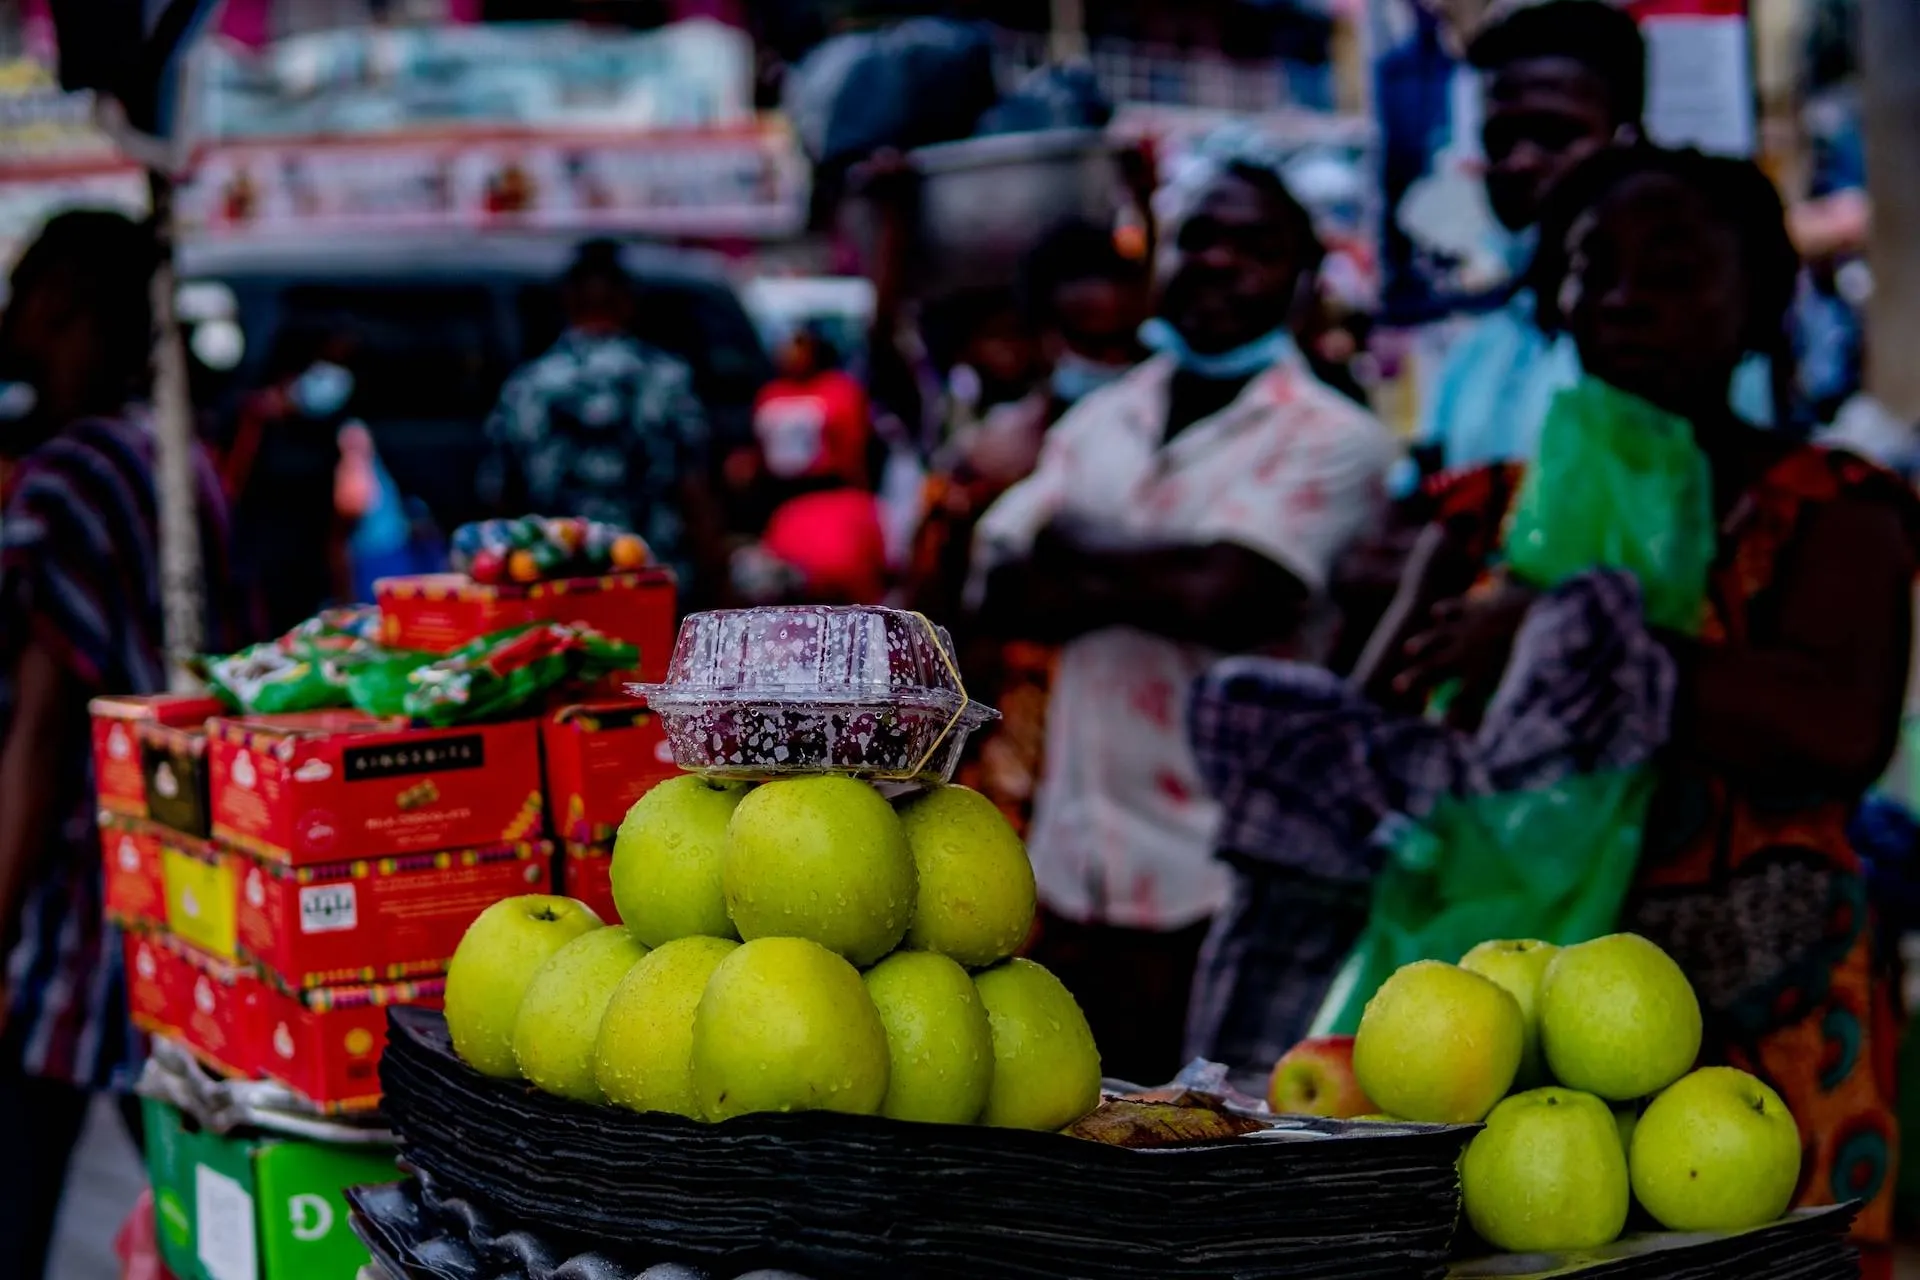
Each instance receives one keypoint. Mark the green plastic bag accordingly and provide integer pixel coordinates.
(1552, 864)
(1618, 484)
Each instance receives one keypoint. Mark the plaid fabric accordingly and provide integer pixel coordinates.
(79, 575)
(1272, 953)
(1307, 769)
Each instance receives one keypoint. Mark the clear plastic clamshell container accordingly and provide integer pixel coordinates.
(762, 693)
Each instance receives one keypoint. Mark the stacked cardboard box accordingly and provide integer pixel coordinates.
(283, 880)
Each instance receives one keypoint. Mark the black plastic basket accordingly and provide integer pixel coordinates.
(851, 1197)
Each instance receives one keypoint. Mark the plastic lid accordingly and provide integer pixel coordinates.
(811, 655)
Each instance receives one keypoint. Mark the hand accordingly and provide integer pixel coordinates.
(1468, 639)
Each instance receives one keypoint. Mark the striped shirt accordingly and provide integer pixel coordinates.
(79, 575)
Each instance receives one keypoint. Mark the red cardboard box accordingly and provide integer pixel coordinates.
(333, 786)
(326, 1044)
(116, 752)
(136, 895)
(437, 613)
(203, 1002)
(600, 759)
(155, 998)
(173, 765)
(375, 920)
(586, 873)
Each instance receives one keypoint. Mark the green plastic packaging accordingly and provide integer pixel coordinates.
(1618, 484)
(500, 674)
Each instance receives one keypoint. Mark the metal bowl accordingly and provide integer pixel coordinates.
(985, 202)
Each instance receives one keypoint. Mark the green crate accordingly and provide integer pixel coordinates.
(229, 1207)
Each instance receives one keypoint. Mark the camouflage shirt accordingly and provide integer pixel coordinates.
(601, 427)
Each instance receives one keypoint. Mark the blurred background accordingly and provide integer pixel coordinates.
(398, 188)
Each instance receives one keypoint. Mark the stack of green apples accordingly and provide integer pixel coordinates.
(1580, 1061)
(802, 945)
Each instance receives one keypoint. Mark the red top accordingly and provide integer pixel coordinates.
(817, 427)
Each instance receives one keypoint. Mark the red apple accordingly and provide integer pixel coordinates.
(1315, 1078)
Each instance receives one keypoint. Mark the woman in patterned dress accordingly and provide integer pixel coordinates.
(1668, 268)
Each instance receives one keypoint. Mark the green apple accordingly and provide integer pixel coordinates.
(976, 899)
(1520, 966)
(667, 859)
(497, 957)
(939, 1043)
(558, 1025)
(643, 1059)
(1618, 1019)
(1718, 1151)
(1439, 1045)
(787, 1025)
(821, 858)
(1046, 1068)
(1547, 1174)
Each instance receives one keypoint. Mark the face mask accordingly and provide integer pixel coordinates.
(322, 391)
(1075, 377)
(1242, 362)
(1517, 248)
(17, 401)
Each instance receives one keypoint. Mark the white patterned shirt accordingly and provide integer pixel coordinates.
(1122, 831)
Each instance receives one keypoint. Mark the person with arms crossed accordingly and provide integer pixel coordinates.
(1190, 510)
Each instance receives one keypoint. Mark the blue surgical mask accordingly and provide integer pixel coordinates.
(322, 391)
(1518, 248)
(1242, 362)
(1076, 377)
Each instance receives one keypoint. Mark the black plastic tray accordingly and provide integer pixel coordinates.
(847, 1198)
(417, 1235)
(1810, 1244)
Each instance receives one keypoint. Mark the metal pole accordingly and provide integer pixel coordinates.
(182, 580)
(1890, 60)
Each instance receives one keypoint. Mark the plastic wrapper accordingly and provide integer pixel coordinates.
(537, 548)
(306, 669)
(870, 692)
(853, 1197)
(379, 686)
(174, 1076)
(268, 679)
(500, 674)
(1618, 484)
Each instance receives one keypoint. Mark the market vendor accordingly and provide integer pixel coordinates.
(80, 616)
(1668, 269)
(1189, 510)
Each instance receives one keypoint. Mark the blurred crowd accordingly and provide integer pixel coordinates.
(1209, 591)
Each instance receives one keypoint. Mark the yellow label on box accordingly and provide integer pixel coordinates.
(200, 901)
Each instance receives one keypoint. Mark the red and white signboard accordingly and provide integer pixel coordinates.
(1700, 79)
(745, 183)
